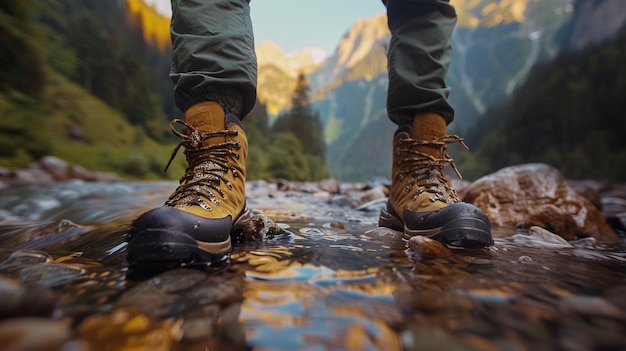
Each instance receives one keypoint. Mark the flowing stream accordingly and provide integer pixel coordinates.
(332, 281)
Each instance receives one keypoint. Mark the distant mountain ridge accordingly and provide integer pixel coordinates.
(492, 53)
(495, 45)
(278, 72)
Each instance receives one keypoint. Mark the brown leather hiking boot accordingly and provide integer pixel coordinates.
(209, 205)
(421, 201)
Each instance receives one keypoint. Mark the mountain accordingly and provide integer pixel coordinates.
(569, 111)
(278, 73)
(361, 53)
(494, 47)
(117, 55)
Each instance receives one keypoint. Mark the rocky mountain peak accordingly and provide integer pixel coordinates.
(490, 13)
(306, 60)
(360, 40)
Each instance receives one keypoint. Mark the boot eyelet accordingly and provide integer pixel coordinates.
(229, 185)
(203, 204)
(237, 145)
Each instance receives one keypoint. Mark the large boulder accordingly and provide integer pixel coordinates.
(538, 195)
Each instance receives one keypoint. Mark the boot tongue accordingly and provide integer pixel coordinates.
(427, 127)
(207, 117)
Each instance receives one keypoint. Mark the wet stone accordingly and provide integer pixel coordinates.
(539, 237)
(261, 227)
(33, 334)
(336, 224)
(22, 258)
(50, 274)
(158, 294)
(376, 193)
(22, 299)
(343, 201)
(330, 186)
(428, 248)
(538, 195)
(40, 236)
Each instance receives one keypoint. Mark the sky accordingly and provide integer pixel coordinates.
(297, 24)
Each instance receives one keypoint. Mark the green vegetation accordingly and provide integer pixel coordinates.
(73, 90)
(80, 82)
(294, 147)
(569, 113)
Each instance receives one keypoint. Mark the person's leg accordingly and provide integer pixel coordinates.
(214, 70)
(419, 57)
(213, 54)
(421, 200)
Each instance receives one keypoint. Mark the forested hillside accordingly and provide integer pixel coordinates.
(80, 82)
(87, 81)
(570, 113)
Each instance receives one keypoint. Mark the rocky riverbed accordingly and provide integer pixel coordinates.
(316, 273)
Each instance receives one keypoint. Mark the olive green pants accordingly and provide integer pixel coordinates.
(213, 51)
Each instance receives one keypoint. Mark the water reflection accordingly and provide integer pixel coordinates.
(291, 303)
(331, 281)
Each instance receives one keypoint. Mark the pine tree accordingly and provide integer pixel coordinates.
(306, 125)
(302, 121)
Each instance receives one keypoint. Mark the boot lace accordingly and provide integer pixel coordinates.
(426, 171)
(207, 168)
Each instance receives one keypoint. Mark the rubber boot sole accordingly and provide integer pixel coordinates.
(462, 232)
(170, 248)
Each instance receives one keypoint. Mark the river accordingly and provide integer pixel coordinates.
(332, 281)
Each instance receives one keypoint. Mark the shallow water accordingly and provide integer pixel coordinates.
(333, 280)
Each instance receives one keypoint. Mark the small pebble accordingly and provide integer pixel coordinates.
(428, 247)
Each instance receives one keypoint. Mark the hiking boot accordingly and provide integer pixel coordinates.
(421, 200)
(197, 221)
